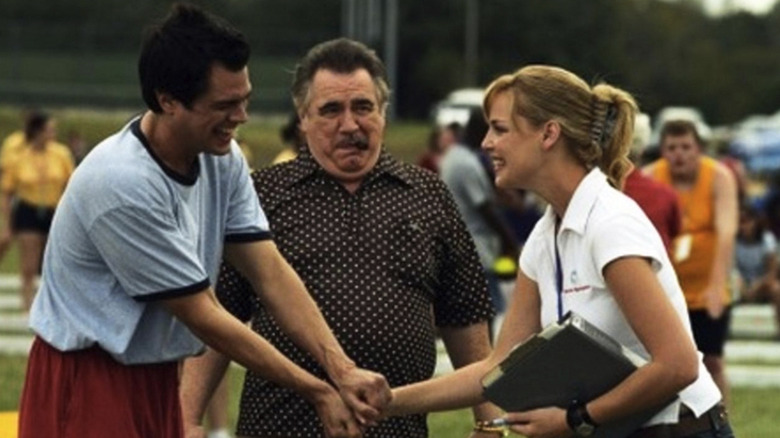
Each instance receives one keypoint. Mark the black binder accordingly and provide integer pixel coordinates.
(569, 359)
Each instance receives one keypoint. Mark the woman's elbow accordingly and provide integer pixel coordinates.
(686, 369)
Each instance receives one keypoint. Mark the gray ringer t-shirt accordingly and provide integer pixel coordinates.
(128, 232)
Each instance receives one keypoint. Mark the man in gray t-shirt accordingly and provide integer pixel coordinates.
(465, 175)
(135, 246)
(466, 178)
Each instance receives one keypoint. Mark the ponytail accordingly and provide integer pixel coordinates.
(612, 128)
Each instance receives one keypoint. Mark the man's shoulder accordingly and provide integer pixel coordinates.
(12, 141)
(653, 166)
(415, 171)
(461, 161)
(277, 179)
(274, 173)
(112, 169)
(639, 181)
(418, 178)
(61, 150)
(459, 154)
(722, 174)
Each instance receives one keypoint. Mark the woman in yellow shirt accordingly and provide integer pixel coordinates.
(32, 183)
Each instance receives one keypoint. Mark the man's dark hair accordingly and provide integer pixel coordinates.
(475, 129)
(34, 123)
(456, 129)
(290, 131)
(177, 54)
(341, 55)
(676, 128)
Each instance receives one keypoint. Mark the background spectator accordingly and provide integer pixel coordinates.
(33, 181)
(756, 261)
(291, 140)
(441, 138)
(704, 250)
(463, 168)
(658, 201)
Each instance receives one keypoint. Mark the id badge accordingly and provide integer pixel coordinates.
(682, 247)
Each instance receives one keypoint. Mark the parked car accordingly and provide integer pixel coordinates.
(757, 141)
(457, 106)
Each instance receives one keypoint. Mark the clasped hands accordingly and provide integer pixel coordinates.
(364, 397)
(357, 402)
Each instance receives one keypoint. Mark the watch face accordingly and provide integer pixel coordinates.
(585, 429)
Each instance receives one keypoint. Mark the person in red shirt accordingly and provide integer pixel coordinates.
(658, 201)
(440, 140)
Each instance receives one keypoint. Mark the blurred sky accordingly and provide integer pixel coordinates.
(717, 7)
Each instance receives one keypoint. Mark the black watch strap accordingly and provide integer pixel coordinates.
(578, 419)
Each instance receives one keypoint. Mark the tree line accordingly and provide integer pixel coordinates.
(666, 53)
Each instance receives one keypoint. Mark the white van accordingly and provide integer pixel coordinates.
(457, 106)
(680, 113)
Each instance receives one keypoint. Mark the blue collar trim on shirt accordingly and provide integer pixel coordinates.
(188, 180)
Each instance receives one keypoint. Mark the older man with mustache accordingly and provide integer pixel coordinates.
(379, 243)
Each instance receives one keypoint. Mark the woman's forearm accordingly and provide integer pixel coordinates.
(456, 390)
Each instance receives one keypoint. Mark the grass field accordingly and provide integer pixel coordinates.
(406, 140)
(754, 411)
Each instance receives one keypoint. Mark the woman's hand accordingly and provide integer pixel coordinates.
(540, 423)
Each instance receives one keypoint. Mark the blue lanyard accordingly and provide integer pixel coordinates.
(558, 273)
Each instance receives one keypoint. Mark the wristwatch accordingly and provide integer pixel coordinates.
(579, 420)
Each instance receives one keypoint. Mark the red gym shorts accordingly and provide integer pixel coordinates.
(86, 394)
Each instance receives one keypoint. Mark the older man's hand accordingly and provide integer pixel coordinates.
(338, 419)
(366, 392)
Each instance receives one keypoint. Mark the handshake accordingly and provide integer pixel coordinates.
(362, 400)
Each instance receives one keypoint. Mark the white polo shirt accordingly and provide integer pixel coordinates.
(602, 224)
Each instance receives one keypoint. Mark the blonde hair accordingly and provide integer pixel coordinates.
(596, 122)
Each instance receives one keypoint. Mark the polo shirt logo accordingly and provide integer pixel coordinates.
(577, 289)
(573, 279)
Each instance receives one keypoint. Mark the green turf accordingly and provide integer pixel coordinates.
(404, 139)
(753, 411)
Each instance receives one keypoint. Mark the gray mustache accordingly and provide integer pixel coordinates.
(357, 142)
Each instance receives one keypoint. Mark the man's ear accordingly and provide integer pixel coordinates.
(166, 101)
(303, 121)
(551, 132)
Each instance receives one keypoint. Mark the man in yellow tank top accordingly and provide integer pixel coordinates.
(703, 252)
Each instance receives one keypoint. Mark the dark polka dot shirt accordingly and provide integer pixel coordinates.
(385, 264)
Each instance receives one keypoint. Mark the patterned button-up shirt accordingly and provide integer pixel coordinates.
(386, 265)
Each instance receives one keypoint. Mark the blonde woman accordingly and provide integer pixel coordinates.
(593, 252)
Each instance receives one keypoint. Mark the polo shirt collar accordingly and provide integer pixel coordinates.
(583, 201)
(306, 167)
